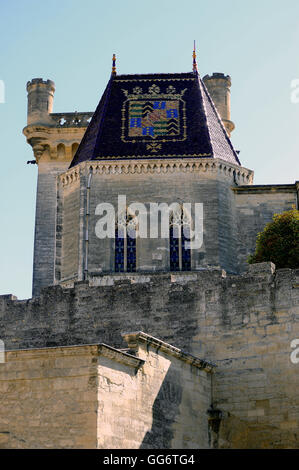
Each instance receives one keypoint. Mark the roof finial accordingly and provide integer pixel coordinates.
(194, 60)
(113, 65)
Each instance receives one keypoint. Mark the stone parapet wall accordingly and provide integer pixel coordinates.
(244, 324)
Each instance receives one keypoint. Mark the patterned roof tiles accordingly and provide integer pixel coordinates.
(155, 116)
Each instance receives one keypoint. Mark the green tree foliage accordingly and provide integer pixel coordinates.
(279, 241)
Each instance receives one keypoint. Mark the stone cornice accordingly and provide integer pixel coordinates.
(75, 350)
(41, 130)
(160, 166)
(70, 176)
(45, 140)
(265, 188)
(120, 356)
(33, 353)
(139, 337)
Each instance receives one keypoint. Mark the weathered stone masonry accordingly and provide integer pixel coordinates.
(95, 396)
(149, 359)
(244, 324)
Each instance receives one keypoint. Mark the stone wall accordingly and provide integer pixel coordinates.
(69, 232)
(161, 405)
(256, 384)
(255, 207)
(49, 398)
(207, 182)
(45, 224)
(243, 323)
(233, 213)
(95, 396)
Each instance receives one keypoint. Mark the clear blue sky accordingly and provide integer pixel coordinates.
(72, 41)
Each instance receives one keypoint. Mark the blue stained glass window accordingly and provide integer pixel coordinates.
(125, 249)
(119, 260)
(180, 255)
(131, 252)
(186, 252)
(174, 248)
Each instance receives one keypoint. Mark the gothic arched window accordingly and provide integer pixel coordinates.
(179, 233)
(125, 243)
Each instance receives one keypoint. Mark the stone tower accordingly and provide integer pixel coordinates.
(40, 101)
(218, 86)
(190, 150)
(156, 139)
(54, 138)
(142, 353)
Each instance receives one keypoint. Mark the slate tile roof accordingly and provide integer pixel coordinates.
(155, 116)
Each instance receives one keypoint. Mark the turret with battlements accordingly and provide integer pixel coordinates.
(218, 86)
(54, 138)
(40, 101)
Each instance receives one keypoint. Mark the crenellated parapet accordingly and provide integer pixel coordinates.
(218, 86)
(52, 136)
(59, 139)
(66, 120)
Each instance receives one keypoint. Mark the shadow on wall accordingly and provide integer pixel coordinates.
(165, 412)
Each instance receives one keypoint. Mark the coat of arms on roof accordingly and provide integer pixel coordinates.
(154, 115)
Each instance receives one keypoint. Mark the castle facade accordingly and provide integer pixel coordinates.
(133, 338)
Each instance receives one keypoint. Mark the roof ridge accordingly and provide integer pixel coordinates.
(102, 117)
(153, 73)
(199, 81)
(89, 129)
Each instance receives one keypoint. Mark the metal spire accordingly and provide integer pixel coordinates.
(113, 65)
(194, 60)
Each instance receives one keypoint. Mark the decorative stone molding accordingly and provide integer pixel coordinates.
(71, 176)
(120, 356)
(38, 151)
(238, 174)
(139, 337)
(46, 139)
